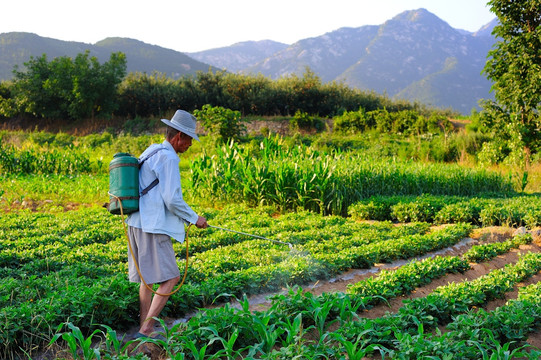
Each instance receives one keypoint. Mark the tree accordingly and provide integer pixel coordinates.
(94, 86)
(68, 88)
(35, 91)
(514, 67)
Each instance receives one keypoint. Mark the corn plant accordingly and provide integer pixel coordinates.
(294, 331)
(359, 349)
(302, 177)
(76, 340)
(268, 333)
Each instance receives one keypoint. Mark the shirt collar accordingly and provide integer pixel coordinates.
(168, 145)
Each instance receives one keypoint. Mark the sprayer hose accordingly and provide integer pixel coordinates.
(135, 260)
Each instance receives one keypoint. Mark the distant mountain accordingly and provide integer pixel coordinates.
(487, 29)
(16, 49)
(414, 56)
(327, 55)
(147, 58)
(417, 56)
(240, 55)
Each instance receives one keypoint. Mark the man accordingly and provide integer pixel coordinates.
(162, 215)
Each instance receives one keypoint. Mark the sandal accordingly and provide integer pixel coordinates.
(143, 336)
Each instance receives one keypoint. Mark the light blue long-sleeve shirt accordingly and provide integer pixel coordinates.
(163, 209)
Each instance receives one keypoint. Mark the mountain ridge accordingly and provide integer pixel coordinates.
(17, 47)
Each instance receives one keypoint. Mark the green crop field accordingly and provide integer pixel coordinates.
(64, 291)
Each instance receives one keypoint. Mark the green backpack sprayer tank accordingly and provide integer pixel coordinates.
(123, 184)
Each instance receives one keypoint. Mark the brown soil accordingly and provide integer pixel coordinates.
(93, 126)
(37, 205)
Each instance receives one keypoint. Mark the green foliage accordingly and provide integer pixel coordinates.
(408, 122)
(72, 276)
(443, 305)
(16, 161)
(421, 209)
(76, 270)
(485, 210)
(68, 88)
(352, 122)
(149, 95)
(514, 68)
(479, 253)
(7, 103)
(77, 88)
(390, 284)
(224, 123)
(302, 120)
(302, 177)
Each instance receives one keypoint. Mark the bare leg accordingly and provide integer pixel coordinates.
(152, 308)
(145, 298)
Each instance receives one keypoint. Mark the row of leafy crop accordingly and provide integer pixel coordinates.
(52, 193)
(490, 210)
(389, 284)
(441, 306)
(361, 336)
(407, 334)
(302, 177)
(301, 325)
(72, 266)
(405, 279)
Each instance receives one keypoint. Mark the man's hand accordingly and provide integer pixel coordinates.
(201, 222)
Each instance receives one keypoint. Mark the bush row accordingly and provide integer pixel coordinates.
(154, 95)
(406, 122)
(487, 210)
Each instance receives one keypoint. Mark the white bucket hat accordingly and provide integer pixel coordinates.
(184, 122)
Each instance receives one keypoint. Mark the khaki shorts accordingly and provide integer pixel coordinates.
(154, 255)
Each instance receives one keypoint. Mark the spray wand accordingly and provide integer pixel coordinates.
(255, 236)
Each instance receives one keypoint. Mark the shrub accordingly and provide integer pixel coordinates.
(420, 209)
(458, 212)
(222, 122)
(352, 122)
(375, 208)
(302, 120)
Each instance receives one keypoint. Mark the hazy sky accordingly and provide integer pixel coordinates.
(196, 25)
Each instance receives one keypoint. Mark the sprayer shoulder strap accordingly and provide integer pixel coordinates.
(156, 181)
